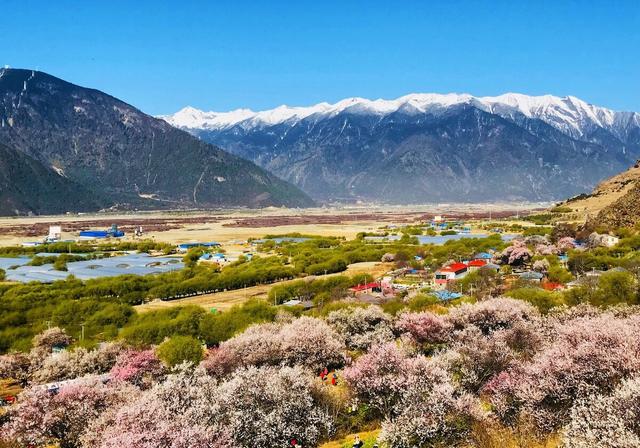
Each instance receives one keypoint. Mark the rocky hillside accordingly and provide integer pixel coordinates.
(606, 192)
(119, 153)
(615, 202)
(623, 209)
(624, 212)
(27, 186)
(431, 148)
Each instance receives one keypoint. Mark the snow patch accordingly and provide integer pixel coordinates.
(60, 171)
(148, 195)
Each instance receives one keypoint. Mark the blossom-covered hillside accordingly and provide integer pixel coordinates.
(492, 373)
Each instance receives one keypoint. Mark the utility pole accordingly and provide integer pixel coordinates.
(82, 332)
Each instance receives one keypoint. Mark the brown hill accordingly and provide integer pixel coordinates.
(614, 202)
(624, 212)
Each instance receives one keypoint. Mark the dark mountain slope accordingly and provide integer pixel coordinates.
(27, 186)
(119, 152)
(461, 154)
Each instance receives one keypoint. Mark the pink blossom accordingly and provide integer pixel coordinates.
(566, 243)
(587, 355)
(541, 266)
(258, 407)
(546, 249)
(267, 407)
(179, 412)
(53, 337)
(516, 254)
(425, 327)
(606, 421)
(15, 366)
(380, 376)
(361, 327)
(492, 314)
(69, 364)
(305, 341)
(138, 367)
(41, 417)
(430, 411)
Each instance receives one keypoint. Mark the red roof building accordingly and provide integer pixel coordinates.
(455, 267)
(552, 286)
(452, 272)
(368, 287)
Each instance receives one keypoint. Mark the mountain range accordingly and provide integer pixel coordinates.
(424, 148)
(70, 148)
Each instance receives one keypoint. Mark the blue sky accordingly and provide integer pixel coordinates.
(163, 55)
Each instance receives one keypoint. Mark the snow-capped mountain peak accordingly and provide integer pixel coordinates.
(568, 114)
(192, 118)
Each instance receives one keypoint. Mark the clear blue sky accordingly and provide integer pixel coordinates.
(163, 55)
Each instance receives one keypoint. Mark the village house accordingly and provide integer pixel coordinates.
(449, 273)
(532, 276)
(492, 266)
(474, 265)
(368, 288)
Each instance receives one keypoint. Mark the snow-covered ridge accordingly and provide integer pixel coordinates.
(569, 114)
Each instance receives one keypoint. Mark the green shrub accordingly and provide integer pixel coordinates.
(154, 326)
(610, 289)
(216, 328)
(559, 274)
(541, 299)
(422, 302)
(179, 349)
(561, 209)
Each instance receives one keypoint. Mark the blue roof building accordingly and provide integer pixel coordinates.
(532, 275)
(483, 256)
(447, 295)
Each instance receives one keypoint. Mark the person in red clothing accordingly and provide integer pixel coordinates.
(334, 379)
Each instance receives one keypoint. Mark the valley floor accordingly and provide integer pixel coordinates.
(228, 226)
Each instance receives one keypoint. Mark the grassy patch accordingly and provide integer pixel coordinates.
(368, 437)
